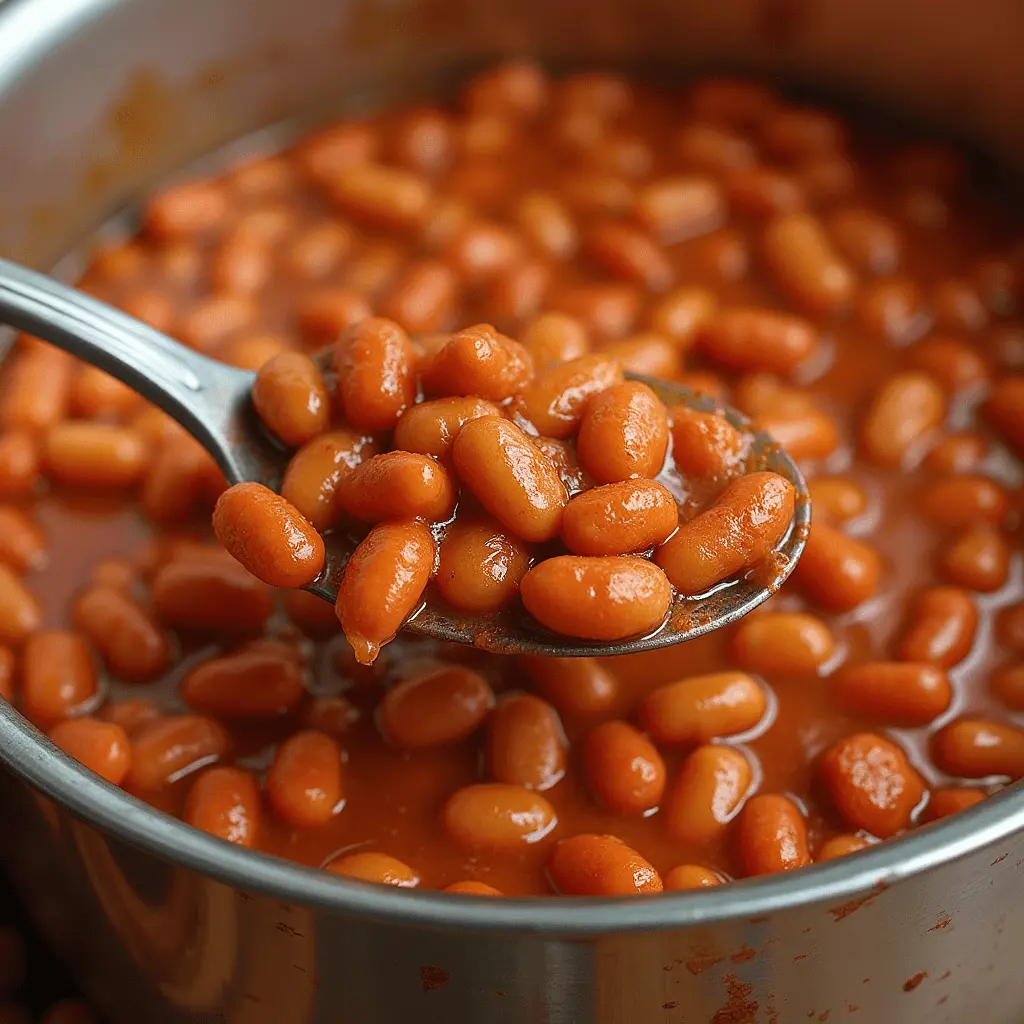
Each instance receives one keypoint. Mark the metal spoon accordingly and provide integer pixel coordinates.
(211, 401)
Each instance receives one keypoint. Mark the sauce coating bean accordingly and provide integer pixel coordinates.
(595, 865)
(225, 802)
(623, 434)
(480, 567)
(771, 835)
(905, 693)
(783, 643)
(703, 708)
(619, 518)
(304, 784)
(442, 706)
(498, 817)
(397, 485)
(101, 746)
(624, 768)
(291, 398)
(942, 627)
(525, 744)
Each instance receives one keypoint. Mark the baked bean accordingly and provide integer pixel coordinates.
(208, 324)
(840, 846)
(501, 467)
(479, 361)
(441, 706)
(181, 476)
(647, 355)
(497, 817)
(955, 365)
(1005, 410)
(905, 693)
(328, 312)
(576, 686)
(421, 140)
(324, 154)
(316, 251)
(974, 748)
(20, 611)
(681, 314)
(713, 782)
(837, 499)
(226, 803)
(596, 865)
(705, 444)
(685, 877)
(262, 680)
(597, 194)
(624, 769)
(397, 485)
(553, 403)
(369, 274)
(95, 454)
(789, 416)
(944, 802)
(383, 583)
(480, 566)
(305, 782)
(800, 256)
(131, 644)
(676, 209)
(563, 457)
(771, 835)
(375, 363)
(713, 149)
(835, 571)
(870, 241)
(132, 715)
(19, 464)
(959, 501)
(96, 394)
(187, 210)
(101, 746)
(747, 521)
(6, 674)
(957, 453)
(1009, 629)
(423, 298)
(525, 744)
(211, 593)
(547, 225)
(731, 101)
(872, 784)
(291, 398)
(268, 536)
(749, 340)
(619, 518)
(941, 628)
(763, 191)
(628, 155)
(623, 433)
(552, 339)
(382, 197)
(1007, 684)
(332, 715)
(169, 748)
(514, 88)
(430, 428)
(702, 708)
(481, 250)
(793, 133)
(608, 311)
(379, 868)
(893, 310)
(37, 392)
(242, 264)
(958, 306)
(22, 542)
(58, 676)
(976, 559)
(597, 598)
(783, 643)
(630, 255)
(471, 888)
(151, 307)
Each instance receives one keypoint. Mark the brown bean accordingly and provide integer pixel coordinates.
(479, 361)
(445, 705)
(702, 708)
(974, 748)
(976, 559)
(906, 408)
(131, 643)
(713, 782)
(525, 744)
(835, 571)
(676, 209)
(397, 485)
(375, 363)
(905, 693)
(749, 340)
(783, 643)
(576, 686)
(624, 768)
(291, 398)
(480, 566)
(596, 865)
(771, 835)
(623, 433)
(497, 817)
(554, 401)
(941, 628)
(620, 518)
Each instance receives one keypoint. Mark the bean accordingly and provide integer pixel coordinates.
(958, 501)
(131, 643)
(840, 846)
(479, 361)
(709, 792)
(324, 154)
(771, 835)
(680, 208)
(893, 309)
(685, 877)
(872, 784)
(976, 559)
(479, 565)
(749, 340)
(837, 499)
(132, 714)
(789, 416)
(682, 313)
(792, 133)
(944, 802)
(471, 888)
(647, 355)
(378, 868)
(783, 643)
(958, 306)
(762, 191)
(58, 675)
(941, 627)
(382, 197)
(96, 393)
(705, 444)
(576, 686)
(624, 769)
(835, 571)
(20, 611)
(7, 666)
(169, 748)
(22, 542)
(268, 536)
(608, 311)
(375, 363)
(94, 454)
(701, 708)
(500, 466)
(291, 398)
(747, 521)
(430, 427)
(263, 680)
(445, 705)
(553, 403)
(225, 802)
(482, 250)
(956, 366)
(38, 391)
(547, 225)
(207, 325)
(619, 518)
(497, 817)
(629, 254)
(714, 149)
(870, 241)
(1007, 685)
(623, 433)
(242, 264)
(1005, 410)
(553, 339)
(563, 457)
(597, 598)
(383, 583)
(597, 865)
(424, 297)
(397, 485)
(102, 747)
(957, 453)
(19, 463)
(974, 748)
(328, 313)
(906, 408)
(305, 782)
(525, 744)
(318, 250)
(905, 693)
(184, 211)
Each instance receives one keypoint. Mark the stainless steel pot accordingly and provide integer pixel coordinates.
(99, 98)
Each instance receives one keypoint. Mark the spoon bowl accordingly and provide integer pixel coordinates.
(211, 400)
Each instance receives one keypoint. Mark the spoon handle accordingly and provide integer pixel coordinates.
(209, 399)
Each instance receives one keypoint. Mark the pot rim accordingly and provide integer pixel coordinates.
(29, 28)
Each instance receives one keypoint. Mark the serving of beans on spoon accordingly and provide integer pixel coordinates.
(428, 483)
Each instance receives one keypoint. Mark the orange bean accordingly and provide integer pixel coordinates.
(791, 417)
(172, 747)
(867, 239)
(547, 225)
(131, 714)
(784, 644)
(906, 693)
(445, 705)
(597, 598)
(684, 877)
(713, 782)
(397, 485)
(747, 521)
(749, 339)
(471, 888)
(382, 197)
(20, 611)
(242, 264)
(479, 361)
(576, 686)
(481, 250)
(554, 401)
(955, 365)
(325, 153)
(375, 363)
(1004, 410)
(130, 642)
(213, 320)
(97, 394)
(184, 211)
(714, 149)
(225, 802)
(705, 444)
(95, 454)
(19, 464)
(835, 571)
(304, 784)
(944, 802)
(379, 868)
(977, 559)
(771, 835)
(907, 407)
(22, 543)
(647, 355)
(553, 339)
(480, 566)
(37, 391)
(762, 191)
(840, 846)
(623, 433)
(957, 453)
(701, 708)
(958, 501)
(424, 297)
(101, 746)
(383, 583)
(974, 748)
(624, 768)
(329, 312)
(872, 784)
(596, 865)
(837, 499)
(676, 209)
(291, 398)
(318, 250)
(629, 254)
(430, 427)
(525, 744)
(941, 628)
(181, 476)
(619, 518)
(563, 457)
(514, 88)
(607, 311)
(332, 715)
(58, 675)
(263, 680)
(497, 817)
